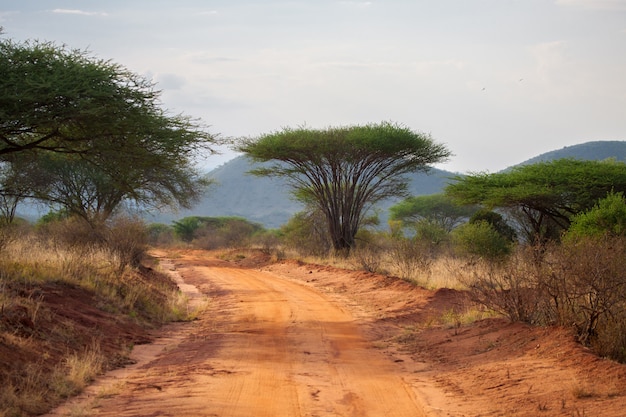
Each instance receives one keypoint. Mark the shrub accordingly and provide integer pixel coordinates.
(586, 281)
(496, 221)
(71, 232)
(412, 258)
(127, 239)
(511, 288)
(224, 232)
(429, 231)
(306, 232)
(160, 234)
(579, 284)
(608, 216)
(186, 228)
(482, 240)
(267, 240)
(368, 257)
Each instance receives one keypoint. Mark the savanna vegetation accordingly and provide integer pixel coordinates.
(521, 243)
(86, 138)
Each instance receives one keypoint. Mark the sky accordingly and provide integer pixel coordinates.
(496, 81)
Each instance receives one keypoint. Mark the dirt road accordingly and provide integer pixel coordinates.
(297, 339)
(266, 346)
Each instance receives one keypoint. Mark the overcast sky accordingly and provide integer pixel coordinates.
(497, 81)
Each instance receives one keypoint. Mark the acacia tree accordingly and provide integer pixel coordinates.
(92, 132)
(546, 195)
(95, 194)
(438, 209)
(345, 170)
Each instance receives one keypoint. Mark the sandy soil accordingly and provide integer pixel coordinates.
(291, 339)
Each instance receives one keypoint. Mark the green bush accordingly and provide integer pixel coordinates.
(496, 221)
(482, 240)
(430, 231)
(186, 228)
(608, 216)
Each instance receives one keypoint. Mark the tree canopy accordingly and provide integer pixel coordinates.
(438, 209)
(91, 132)
(546, 194)
(345, 170)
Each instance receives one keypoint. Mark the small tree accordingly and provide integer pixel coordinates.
(438, 209)
(186, 228)
(343, 171)
(545, 195)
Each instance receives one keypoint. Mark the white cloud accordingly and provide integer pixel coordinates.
(610, 5)
(78, 12)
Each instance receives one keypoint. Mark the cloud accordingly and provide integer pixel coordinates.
(78, 12)
(608, 5)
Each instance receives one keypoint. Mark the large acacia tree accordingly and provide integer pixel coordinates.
(345, 170)
(544, 195)
(91, 133)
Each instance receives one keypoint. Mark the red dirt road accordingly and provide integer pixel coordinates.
(266, 347)
(292, 339)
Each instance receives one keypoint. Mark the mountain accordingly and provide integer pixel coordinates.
(597, 151)
(268, 201)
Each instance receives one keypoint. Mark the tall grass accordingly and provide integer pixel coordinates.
(33, 264)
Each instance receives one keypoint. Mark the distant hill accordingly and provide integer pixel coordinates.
(597, 151)
(268, 201)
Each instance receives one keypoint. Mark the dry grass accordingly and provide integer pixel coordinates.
(442, 272)
(58, 366)
(584, 390)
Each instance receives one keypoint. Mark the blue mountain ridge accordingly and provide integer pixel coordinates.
(268, 201)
